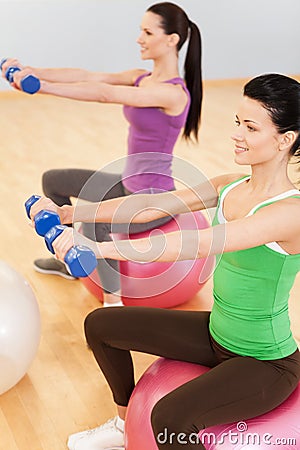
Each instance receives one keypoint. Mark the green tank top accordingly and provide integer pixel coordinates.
(251, 292)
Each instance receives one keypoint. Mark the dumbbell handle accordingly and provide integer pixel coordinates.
(29, 84)
(80, 260)
(44, 220)
(29, 202)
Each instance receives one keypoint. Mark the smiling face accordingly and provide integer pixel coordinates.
(256, 138)
(153, 40)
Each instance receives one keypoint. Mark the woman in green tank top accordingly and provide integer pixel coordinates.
(246, 339)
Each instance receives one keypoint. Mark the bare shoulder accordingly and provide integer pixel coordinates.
(220, 181)
(277, 222)
(285, 214)
(125, 78)
(136, 73)
(288, 209)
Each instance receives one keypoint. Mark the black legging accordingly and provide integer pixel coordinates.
(94, 186)
(236, 388)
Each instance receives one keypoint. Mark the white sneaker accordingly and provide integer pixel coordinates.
(108, 436)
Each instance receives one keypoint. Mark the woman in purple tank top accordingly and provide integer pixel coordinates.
(157, 105)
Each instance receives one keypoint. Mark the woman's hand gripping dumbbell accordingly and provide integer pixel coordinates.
(19, 76)
(80, 260)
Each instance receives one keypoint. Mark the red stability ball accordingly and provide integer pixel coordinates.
(277, 428)
(160, 284)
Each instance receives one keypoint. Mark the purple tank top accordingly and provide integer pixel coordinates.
(151, 139)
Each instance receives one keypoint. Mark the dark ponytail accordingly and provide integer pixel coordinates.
(193, 78)
(175, 20)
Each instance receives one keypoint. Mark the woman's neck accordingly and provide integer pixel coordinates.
(165, 70)
(270, 182)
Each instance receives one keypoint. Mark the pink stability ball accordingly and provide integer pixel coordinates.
(279, 428)
(160, 284)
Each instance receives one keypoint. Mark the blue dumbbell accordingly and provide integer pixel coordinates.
(44, 220)
(80, 260)
(29, 83)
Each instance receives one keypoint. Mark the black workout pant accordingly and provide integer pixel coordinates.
(236, 388)
(95, 186)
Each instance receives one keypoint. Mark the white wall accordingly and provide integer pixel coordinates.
(240, 38)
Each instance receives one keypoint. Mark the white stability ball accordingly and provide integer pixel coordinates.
(20, 327)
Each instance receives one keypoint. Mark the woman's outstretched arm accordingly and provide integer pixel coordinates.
(140, 208)
(240, 234)
(75, 75)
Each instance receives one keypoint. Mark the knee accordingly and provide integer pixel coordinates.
(48, 182)
(92, 326)
(98, 325)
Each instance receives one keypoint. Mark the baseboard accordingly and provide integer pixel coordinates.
(235, 81)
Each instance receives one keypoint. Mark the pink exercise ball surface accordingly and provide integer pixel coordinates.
(160, 284)
(280, 428)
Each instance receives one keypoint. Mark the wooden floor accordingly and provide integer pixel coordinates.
(63, 391)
